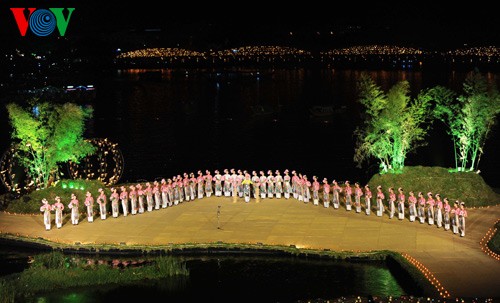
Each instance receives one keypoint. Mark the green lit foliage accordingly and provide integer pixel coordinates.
(394, 124)
(469, 117)
(48, 135)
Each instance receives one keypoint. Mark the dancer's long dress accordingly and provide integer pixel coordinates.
(401, 206)
(157, 197)
(454, 219)
(263, 187)
(140, 193)
(247, 189)
(58, 206)
(315, 194)
(462, 214)
(430, 211)
(306, 190)
(270, 187)
(348, 198)
(89, 203)
(446, 219)
(101, 200)
(227, 185)
(124, 202)
(421, 209)
(380, 203)
(392, 204)
(133, 202)
(114, 204)
(208, 185)
(201, 187)
(326, 195)
(278, 187)
(75, 213)
(255, 186)
(439, 213)
(412, 200)
(287, 189)
(358, 192)
(46, 208)
(368, 197)
(336, 196)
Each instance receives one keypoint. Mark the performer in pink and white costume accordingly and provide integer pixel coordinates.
(140, 195)
(270, 184)
(247, 186)
(392, 202)
(401, 204)
(439, 211)
(164, 193)
(462, 214)
(218, 183)
(454, 217)
(263, 185)
(200, 181)
(336, 190)
(295, 185)
(421, 207)
(187, 189)
(133, 199)
(278, 184)
(315, 190)
(412, 209)
(115, 205)
(430, 208)
(102, 201)
(380, 201)
(255, 184)
(306, 189)
(46, 208)
(89, 204)
(358, 192)
(59, 207)
(239, 183)
(446, 218)
(287, 188)
(75, 212)
(227, 184)
(368, 198)
(124, 200)
(157, 194)
(192, 185)
(348, 195)
(326, 193)
(208, 183)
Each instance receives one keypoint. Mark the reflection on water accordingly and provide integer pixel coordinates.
(252, 279)
(172, 121)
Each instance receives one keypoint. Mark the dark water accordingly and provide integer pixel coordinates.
(171, 121)
(241, 278)
(179, 121)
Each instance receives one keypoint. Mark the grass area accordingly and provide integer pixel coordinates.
(56, 270)
(30, 203)
(494, 243)
(468, 187)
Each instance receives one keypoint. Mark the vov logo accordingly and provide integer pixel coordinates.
(42, 22)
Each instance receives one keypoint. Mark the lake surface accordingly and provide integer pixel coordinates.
(240, 278)
(170, 121)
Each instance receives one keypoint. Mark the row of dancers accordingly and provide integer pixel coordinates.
(138, 198)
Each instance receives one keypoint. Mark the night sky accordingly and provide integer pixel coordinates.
(225, 24)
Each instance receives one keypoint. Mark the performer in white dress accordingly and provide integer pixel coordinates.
(46, 208)
(140, 195)
(401, 204)
(454, 213)
(421, 207)
(75, 212)
(380, 201)
(412, 209)
(287, 188)
(187, 188)
(336, 190)
(102, 201)
(358, 192)
(462, 214)
(239, 183)
(208, 183)
(124, 200)
(270, 184)
(348, 195)
(157, 194)
(200, 181)
(255, 184)
(306, 189)
(133, 199)
(295, 185)
(227, 184)
(439, 211)
(164, 193)
(446, 217)
(315, 190)
(368, 198)
(218, 183)
(430, 208)
(115, 205)
(89, 204)
(247, 187)
(192, 184)
(278, 184)
(263, 185)
(59, 207)
(392, 202)
(326, 193)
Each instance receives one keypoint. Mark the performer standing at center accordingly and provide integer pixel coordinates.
(75, 212)
(315, 190)
(239, 183)
(348, 195)
(412, 210)
(149, 197)
(270, 184)
(124, 200)
(247, 183)
(114, 198)
(201, 185)
(358, 192)
(295, 185)
(46, 208)
(306, 189)
(102, 200)
(227, 183)
(187, 188)
(59, 207)
(368, 198)
(89, 203)
(421, 207)
(430, 208)
(392, 202)
(164, 193)
(326, 193)
(336, 189)
(192, 185)
(287, 189)
(447, 209)
(140, 195)
(401, 204)
(454, 217)
(218, 183)
(380, 201)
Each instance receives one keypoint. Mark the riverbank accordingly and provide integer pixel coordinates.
(457, 264)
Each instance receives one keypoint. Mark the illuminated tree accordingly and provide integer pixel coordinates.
(394, 123)
(48, 135)
(469, 117)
